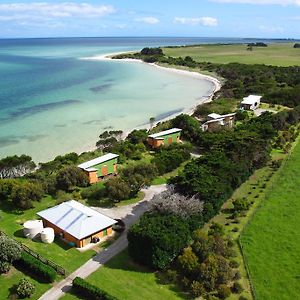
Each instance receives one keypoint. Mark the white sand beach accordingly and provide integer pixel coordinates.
(197, 75)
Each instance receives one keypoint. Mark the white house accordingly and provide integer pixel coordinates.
(216, 121)
(251, 102)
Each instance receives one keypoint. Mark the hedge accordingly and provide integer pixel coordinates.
(44, 272)
(89, 291)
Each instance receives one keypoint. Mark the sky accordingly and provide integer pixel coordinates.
(187, 18)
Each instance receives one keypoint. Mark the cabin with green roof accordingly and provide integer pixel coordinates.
(166, 137)
(100, 167)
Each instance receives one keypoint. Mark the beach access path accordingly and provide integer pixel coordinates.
(129, 214)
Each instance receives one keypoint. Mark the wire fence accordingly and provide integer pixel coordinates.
(270, 188)
(59, 270)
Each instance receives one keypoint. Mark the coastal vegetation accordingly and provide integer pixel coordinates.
(176, 237)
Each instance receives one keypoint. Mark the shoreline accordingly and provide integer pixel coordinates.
(194, 74)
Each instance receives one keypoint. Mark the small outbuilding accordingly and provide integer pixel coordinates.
(215, 121)
(100, 167)
(251, 102)
(77, 223)
(166, 137)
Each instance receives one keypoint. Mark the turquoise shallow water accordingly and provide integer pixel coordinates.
(53, 102)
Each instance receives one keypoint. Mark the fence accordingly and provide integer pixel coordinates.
(59, 270)
(270, 188)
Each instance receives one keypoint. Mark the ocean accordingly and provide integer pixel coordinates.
(53, 102)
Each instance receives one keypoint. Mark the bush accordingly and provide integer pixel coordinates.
(243, 298)
(237, 288)
(224, 291)
(157, 239)
(237, 275)
(25, 289)
(89, 291)
(44, 272)
(234, 264)
(4, 267)
(171, 276)
(10, 251)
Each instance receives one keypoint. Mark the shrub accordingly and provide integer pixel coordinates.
(25, 289)
(234, 264)
(237, 288)
(90, 291)
(197, 288)
(157, 239)
(224, 291)
(171, 276)
(4, 267)
(243, 298)
(10, 251)
(44, 272)
(237, 275)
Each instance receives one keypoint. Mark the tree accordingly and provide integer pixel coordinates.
(137, 136)
(22, 194)
(170, 202)
(10, 251)
(16, 166)
(117, 189)
(188, 262)
(152, 122)
(297, 45)
(25, 288)
(156, 240)
(70, 177)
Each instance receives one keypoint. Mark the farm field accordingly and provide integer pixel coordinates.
(275, 54)
(126, 280)
(271, 241)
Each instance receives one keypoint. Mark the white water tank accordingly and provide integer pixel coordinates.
(47, 235)
(32, 228)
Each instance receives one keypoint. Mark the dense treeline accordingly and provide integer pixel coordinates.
(229, 158)
(278, 85)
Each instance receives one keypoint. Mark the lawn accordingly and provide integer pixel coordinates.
(275, 54)
(124, 279)
(13, 277)
(59, 252)
(271, 241)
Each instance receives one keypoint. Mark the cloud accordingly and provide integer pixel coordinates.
(50, 11)
(261, 2)
(204, 21)
(148, 20)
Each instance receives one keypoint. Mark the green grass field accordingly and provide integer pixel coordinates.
(274, 54)
(59, 252)
(126, 280)
(12, 278)
(271, 241)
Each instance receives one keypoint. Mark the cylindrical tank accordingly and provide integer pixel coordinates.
(47, 235)
(32, 228)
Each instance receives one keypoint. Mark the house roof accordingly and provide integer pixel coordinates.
(87, 165)
(163, 133)
(76, 219)
(252, 99)
(214, 116)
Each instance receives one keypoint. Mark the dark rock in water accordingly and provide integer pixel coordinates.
(168, 114)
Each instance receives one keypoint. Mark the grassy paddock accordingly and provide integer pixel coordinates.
(281, 54)
(254, 189)
(271, 241)
(124, 279)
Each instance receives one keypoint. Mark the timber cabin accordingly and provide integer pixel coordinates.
(251, 102)
(100, 167)
(76, 223)
(216, 121)
(166, 137)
